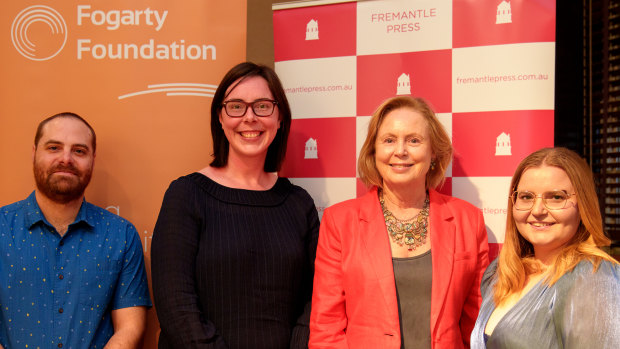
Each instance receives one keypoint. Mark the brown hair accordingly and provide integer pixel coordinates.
(516, 259)
(277, 148)
(440, 141)
(39, 133)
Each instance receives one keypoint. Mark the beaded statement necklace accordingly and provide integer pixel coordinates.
(410, 232)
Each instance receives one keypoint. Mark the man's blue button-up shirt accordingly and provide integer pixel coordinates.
(58, 291)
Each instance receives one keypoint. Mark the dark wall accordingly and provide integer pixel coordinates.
(569, 75)
(260, 31)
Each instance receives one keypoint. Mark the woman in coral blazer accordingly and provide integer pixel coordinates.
(379, 285)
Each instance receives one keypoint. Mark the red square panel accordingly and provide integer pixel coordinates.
(424, 74)
(493, 143)
(446, 187)
(496, 22)
(361, 188)
(321, 148)
(314, 32)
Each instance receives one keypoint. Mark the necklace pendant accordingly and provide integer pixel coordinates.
(409, 239)
(409, 232)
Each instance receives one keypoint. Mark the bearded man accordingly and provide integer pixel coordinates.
(71, 273)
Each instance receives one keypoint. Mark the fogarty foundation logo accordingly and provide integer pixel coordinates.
(39, 33)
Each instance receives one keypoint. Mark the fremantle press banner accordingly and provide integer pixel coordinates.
(486, 66)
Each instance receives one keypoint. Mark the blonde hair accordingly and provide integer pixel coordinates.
(516, 259)
(440, 141)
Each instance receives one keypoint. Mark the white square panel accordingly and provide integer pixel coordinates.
(322, 87)
(503, 77)
(489, 194)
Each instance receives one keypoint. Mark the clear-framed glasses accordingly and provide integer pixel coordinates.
(236, 108)
(523, 200)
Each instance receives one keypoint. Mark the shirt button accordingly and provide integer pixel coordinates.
(60, 345)
(61, 277)
(61, 243)
(60, 310)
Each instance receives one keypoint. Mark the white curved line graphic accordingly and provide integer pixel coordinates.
(179, 89)
(33, 17)
(45, 17)
(31, 20)
(190, 94)
(182, 84)
(21, 30)
(29, 16)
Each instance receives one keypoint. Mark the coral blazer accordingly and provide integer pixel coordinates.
(354, 302)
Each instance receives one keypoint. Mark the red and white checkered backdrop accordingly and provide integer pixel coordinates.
(486, 67)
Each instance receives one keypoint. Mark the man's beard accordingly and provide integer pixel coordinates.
(61, 189)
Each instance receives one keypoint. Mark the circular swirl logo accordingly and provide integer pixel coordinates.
(39, 33)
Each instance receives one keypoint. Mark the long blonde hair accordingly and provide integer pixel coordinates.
(516, 259)
(439, 138)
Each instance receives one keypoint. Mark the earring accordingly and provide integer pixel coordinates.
(433, 163)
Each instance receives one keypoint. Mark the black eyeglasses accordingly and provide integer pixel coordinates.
(553, 200)
(236, 108)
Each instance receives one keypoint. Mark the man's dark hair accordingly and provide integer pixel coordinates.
(39, 134)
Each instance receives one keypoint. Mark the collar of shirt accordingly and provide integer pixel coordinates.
(33, 215)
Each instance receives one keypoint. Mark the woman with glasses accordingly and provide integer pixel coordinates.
(234, 245)
(551, 286)
(399, 267)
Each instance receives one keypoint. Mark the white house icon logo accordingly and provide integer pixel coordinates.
(504, 13)
(312, 30)
(503, 146)
(311, 149)
(404, 85)
(39, 33)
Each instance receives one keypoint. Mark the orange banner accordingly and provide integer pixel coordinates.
(141, 72)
